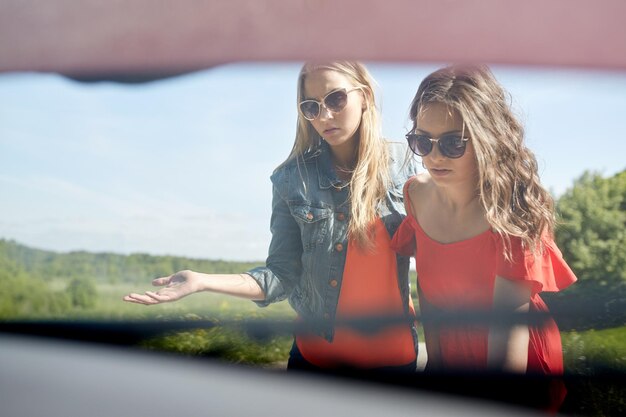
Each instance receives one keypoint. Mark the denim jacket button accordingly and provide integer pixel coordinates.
(341, 217)
(333, 283)
(309, 216)
(338, 247)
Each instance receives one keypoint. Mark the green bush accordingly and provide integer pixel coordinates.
(25, 297)
(227, 343)
(82, 292)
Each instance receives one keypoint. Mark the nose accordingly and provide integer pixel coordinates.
(435, 154)
(324, 112)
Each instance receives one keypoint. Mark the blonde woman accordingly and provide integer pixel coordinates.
(337, 200)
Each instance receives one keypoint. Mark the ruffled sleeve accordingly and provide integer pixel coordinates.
(546, 271)
(403, 241)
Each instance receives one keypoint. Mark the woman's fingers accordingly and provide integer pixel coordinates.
(161, 281)
(172, 292)
(140, 299)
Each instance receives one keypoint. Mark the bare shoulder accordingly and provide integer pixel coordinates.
(418, 190)
(420, 184)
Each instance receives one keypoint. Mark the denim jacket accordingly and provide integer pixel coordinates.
(310, 213)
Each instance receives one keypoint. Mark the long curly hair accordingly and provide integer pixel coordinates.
(370, 177)
(514, 201)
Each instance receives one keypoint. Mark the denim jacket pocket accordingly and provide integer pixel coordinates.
(313, 222)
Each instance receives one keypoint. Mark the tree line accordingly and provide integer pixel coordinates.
(26, 275)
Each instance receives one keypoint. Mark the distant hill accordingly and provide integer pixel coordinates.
(18, 259)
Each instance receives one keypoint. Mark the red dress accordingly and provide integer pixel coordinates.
(461, 275)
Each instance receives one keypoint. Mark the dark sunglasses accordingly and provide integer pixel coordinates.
(451, 145)
(335, 101)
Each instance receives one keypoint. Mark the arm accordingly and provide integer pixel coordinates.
(184, 283)
(508, 344)
(283, 266)
(263, 285)
(431, 333)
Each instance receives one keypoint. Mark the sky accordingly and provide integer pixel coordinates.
(181, 166)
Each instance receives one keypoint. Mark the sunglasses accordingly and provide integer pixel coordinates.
(451, 145)
(335, 101)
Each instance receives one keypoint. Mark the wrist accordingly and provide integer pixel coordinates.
(198, 281)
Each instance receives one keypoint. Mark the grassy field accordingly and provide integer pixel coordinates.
(599, 355)
(584, 352)
(592, 351)
(204, 305)
(225, 342)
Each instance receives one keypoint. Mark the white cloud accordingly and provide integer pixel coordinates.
(80, 218)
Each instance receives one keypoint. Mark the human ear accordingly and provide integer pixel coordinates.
(364, 97)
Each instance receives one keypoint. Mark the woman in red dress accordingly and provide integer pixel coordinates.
(480, 226)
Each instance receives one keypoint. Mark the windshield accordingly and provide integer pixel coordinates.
(106, 186)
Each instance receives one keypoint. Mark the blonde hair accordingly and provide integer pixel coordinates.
(510, 192)
(370, 177)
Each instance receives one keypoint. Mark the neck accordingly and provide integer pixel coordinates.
(459, 199)
(344, 157)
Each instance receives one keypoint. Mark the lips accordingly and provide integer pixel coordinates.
(331, 130)
(439, 171)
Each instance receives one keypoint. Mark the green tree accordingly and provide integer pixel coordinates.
(22, 296)
(82, 292)
(592, 231)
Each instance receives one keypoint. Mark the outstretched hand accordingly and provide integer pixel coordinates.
(176, 287)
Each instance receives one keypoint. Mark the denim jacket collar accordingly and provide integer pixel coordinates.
(325, 171)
